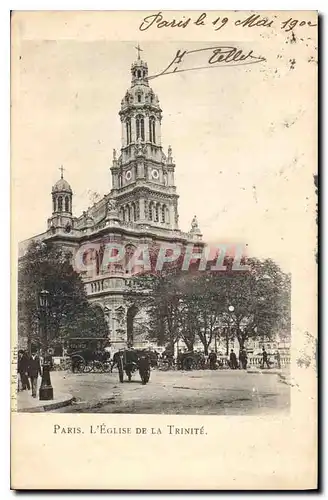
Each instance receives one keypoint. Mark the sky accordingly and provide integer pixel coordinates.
(238, 135)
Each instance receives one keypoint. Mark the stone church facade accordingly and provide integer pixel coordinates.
(141, 207)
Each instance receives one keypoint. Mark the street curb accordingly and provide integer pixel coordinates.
(265, 372)
(50, 406)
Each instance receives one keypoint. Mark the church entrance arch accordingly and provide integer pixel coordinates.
(137, 327)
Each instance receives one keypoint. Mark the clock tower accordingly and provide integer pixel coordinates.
(143, 175)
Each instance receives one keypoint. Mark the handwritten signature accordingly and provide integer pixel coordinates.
(220, 56)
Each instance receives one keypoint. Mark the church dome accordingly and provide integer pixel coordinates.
(62, 185)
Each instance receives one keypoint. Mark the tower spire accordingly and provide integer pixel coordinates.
(139, 50)
(61, 170)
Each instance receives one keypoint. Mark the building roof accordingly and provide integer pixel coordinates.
(61, 185)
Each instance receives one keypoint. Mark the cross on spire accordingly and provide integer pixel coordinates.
(61, 168)
(139, 50)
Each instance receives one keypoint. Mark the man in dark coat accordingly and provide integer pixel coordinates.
(34, 370)
(243, 358)
(180, 360)
(233, 360)
(22, 369)
(265, 358)
(212, 359)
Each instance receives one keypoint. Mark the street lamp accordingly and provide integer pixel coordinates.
(231, 310)
(46, 391)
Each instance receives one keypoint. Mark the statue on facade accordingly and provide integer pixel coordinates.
(112, 204)
(169, 155)
(140, 148)
(114, 154)
(165, 177)
(194, 224)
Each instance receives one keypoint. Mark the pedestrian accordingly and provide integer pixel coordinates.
(233, 360)
(34, 370)
(278, 359)
(180, 360)
(243, 358)
(265, 360)
(212, 359)
(22, 370)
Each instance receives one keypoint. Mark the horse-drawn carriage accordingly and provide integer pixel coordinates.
(130, 361)
(88, 355)
(191, 361)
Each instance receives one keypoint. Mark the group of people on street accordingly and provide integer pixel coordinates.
(28, 369)
(233, 362)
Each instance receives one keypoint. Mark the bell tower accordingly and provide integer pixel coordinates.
(143, 176)
(62, 197)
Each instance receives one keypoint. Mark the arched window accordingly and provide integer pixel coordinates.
(163, 213)
(60, 204)
(66, 204)
(150, 211)
(128, 130)
(139, 73)
(139, 97)
(152, 136)
(54, 205)
(120, 181)
(140, 127)
(128, 212)
(157, 213)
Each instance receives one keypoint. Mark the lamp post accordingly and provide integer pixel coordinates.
(46, 391)
(230, 310)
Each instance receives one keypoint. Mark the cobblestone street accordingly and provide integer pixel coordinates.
(222, 392)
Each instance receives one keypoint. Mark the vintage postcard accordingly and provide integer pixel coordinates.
(164, 250)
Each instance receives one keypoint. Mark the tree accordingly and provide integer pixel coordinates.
(157, 294)
(45, 266)
(259, 298)
(232, 303)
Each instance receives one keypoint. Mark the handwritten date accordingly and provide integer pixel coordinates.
(251, 21)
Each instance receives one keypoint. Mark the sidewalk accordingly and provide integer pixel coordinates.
(26, 403)
(275, 371)
(283, 373)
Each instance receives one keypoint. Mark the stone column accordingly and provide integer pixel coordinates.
(142, 209)
(158, 136)
(123, 134)
(170, 177)
(171, 216)
(147, 138)
(133, 129)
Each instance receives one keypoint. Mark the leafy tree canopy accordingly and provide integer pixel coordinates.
(47, 267)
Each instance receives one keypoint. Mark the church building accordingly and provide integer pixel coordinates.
(141, 207)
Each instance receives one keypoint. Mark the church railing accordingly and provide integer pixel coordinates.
(147, 227)
(105, 283)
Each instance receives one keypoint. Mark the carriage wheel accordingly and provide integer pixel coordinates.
(87, 368)
(107, 367)
(81, 366)
(98, 366)
(78, 364)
